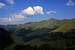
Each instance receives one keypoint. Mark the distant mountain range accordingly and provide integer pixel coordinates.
(50, 24)
(48, 31)
(56, 24)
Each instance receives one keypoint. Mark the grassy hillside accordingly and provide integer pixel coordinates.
(45, 32)
(51, 24)
(44, 24)
(66, 26)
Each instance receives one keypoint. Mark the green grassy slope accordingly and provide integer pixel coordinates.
(44, 24)
(66, 26)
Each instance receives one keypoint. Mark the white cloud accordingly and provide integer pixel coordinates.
(51, 12)
(38, 10)
(70, 3)
(12, 20)
(2, 5)
(16, 18)
(4, 21)
(33, 10)
(29, 11)
(19, 16)
(10, 1)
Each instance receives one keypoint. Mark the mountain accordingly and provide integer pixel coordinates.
(43, 31)
(51, 24)
(37, 29)
(53, 32)
(66, 27)
(30, 32)
(57, 25)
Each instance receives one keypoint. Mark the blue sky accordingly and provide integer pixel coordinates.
(21, 11)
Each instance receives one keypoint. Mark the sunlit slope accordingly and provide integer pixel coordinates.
(66, 26)
(52, 23)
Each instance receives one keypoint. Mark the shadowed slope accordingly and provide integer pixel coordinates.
(5, 38)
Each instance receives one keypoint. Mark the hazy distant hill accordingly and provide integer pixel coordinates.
(9, 27)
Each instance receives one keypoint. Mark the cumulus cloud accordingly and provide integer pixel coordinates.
(33, 10)
(38, 9)
(51, 12)
(2, 5)
(10, 1)
(70, 3)
(14, 18)
(29, 11)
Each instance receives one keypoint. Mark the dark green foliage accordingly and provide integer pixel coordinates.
(23, 32)
(42, 47)
(5, 38)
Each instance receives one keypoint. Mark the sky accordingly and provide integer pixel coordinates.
(22, 11)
